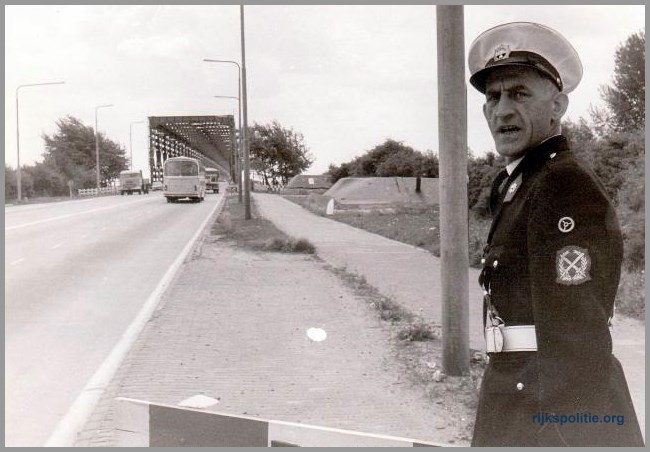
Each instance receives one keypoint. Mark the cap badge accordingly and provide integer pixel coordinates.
(501, 52)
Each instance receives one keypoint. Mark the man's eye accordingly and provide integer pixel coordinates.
(521, 95)
(491, 98)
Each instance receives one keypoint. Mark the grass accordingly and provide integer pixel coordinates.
(257, 233)
(420, 227)
(417, 226)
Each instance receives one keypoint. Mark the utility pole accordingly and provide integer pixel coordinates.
(247, 173)
(452, 126)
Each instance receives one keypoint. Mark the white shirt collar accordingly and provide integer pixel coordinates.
(510, 167)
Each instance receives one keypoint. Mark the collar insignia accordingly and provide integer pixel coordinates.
(512, 189)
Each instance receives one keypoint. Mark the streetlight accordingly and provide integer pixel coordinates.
(18, 177)
(243, 130)
(97, 142)
(242, 133)
(239, 154)
(131, 141)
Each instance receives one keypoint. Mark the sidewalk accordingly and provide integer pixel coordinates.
(233, 325)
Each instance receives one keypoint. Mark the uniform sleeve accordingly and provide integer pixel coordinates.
(575, 253)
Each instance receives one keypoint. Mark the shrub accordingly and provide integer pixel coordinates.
(419, 331)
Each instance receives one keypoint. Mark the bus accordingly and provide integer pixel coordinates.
(132, 181)
(212, 179)
(183, 177)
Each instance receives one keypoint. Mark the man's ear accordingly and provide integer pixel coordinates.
(485, 111)
(560, 105)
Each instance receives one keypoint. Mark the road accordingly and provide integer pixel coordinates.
(76, 274)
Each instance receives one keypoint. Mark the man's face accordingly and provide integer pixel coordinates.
(519, 109)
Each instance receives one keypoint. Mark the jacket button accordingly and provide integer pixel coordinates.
(483, 261)
(520, 386)
(495, 263)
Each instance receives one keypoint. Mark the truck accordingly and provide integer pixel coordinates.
(132, 181)
(212, 179)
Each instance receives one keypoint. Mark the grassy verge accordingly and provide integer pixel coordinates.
(257, 233)
(420, 227)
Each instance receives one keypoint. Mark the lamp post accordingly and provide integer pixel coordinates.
(239, 154)
(131, 142)
(241, 131)
(97, 142)
(18, 176)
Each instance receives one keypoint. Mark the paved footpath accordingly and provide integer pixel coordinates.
(411, 277)
(233, 327)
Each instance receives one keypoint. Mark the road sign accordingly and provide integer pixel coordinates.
(145, 424)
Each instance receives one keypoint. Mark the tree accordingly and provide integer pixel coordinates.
(71, 153)
(389, 159)
(277, 152)
(625, 98)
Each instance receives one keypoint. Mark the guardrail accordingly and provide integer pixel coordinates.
(104, 191)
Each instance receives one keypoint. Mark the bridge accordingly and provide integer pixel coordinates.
(210, 139)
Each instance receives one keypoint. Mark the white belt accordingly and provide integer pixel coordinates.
(517, 338)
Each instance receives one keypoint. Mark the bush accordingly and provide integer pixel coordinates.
(289, 246)
(419, 331)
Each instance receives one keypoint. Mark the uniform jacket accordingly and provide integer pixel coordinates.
(553, 260)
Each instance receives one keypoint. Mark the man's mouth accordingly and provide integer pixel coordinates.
(508, 130)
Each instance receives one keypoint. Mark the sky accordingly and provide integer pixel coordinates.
(346, 77)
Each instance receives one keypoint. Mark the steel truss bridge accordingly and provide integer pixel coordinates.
(210, 139)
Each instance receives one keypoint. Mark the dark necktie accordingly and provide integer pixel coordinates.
(498, 186)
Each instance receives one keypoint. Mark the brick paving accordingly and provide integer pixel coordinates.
(233, 327)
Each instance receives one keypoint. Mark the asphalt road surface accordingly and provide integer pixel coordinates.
(76, 274)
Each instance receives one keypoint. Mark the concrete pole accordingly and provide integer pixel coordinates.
(18, 176)
(240, 152)
(247, 174)
(452, 126)
(97, 143)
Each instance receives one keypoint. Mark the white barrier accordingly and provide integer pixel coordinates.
(93, 191)
(145, 424)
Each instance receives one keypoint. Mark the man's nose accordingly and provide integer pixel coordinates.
(504, 107)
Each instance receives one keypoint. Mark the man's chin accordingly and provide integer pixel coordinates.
(511, 152)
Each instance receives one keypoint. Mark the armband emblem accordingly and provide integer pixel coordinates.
(573, 264)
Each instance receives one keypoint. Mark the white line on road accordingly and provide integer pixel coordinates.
(66, 431)
(17, 261)
(67, 216)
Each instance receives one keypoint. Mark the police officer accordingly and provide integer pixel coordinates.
(552, 263)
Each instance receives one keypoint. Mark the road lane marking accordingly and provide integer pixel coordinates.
(33, 223)
(17, 261)
(66, 431)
